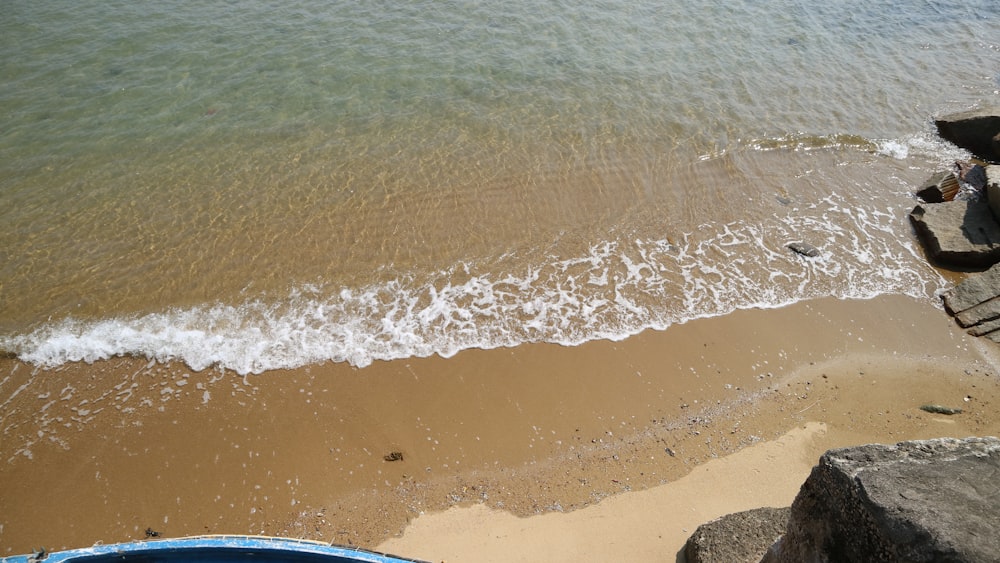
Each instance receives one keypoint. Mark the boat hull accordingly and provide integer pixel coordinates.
(212, 549)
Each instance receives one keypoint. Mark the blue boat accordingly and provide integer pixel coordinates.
(212, 549)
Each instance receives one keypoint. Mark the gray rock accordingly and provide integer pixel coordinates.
(938, 188)
(972, 174)
(983, 328)
(982, 313)
(922, 501)
(972, 130)
(973, 290)
(736, 538)
(960, 233)
(805, 249)
(975, 302)
(993, 189)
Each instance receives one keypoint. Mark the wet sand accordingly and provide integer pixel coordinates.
(103, 452)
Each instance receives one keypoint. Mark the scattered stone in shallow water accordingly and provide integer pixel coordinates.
(393, 456)
(804, 249)
(938, 409)
(939, 188)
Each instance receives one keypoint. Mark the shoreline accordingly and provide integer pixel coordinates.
(102, 452)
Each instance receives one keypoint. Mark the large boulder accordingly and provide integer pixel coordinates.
(742, 537)
(921, 501)
(974, 130)
(958, 233)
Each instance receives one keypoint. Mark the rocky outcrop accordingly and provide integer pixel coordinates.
(977, 131)
(737, 538)
(932, 500)
(975, 303)
(965, 233)
(959, 233)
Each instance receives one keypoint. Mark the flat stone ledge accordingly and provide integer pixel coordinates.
(973, 290)
(958, 233)
(975, 303)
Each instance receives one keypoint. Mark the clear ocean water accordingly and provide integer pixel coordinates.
(254, 186)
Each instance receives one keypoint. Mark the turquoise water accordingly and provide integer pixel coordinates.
(260, 186)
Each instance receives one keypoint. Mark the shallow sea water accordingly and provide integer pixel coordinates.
(259, 187)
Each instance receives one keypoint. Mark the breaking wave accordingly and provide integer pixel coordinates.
(617, 288)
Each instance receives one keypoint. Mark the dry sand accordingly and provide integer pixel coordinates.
(535, 445)
(649, 525)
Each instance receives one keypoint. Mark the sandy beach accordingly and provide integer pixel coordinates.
(540, 452)
(470, 282)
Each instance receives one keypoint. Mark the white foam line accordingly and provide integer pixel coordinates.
(611, 292)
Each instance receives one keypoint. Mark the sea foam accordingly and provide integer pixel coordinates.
(615, 289)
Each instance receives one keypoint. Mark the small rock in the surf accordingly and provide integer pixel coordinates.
(804, 249)
(393, 456)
